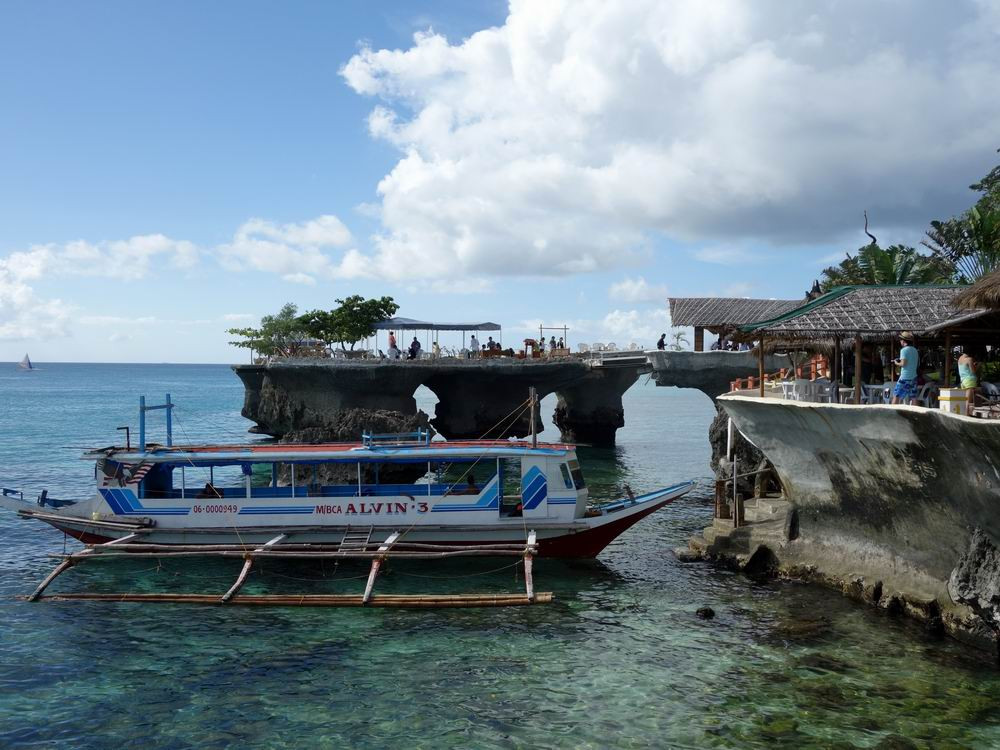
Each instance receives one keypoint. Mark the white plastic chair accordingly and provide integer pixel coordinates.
(582, 348)
(612, 347)
(802, 390)
(633, 347)
(598, 347)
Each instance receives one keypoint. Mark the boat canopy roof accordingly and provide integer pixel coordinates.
(409, 324)
(328, 452)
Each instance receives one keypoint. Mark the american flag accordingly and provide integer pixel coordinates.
(139, 472)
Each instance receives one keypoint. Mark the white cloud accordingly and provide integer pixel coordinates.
(296, 252)
(638, 290)
(239, 317)
(727, 255)
(560, 141)
(23, 315)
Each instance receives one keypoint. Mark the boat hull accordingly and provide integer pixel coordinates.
(580, 538)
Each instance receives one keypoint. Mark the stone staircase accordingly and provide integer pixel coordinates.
(768, 521)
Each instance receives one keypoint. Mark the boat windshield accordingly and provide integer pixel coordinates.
(577, 473)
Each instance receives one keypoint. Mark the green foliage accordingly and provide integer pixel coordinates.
(679, 339)
(896, 264)
(288, 334)
(279, 335)
(353, 320)
(970, 243)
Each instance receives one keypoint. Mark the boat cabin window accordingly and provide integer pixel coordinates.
(577, 474)
(510, 486)
(567, 479)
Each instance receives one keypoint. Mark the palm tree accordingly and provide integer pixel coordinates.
(970, 243)
(896, 264)
(679, 337)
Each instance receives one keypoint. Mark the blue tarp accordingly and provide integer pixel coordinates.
(409, 324)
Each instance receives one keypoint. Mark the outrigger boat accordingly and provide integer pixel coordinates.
(277, 500)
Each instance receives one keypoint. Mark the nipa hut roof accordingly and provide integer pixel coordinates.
(984, 293)
(871, 312)
(718, 312)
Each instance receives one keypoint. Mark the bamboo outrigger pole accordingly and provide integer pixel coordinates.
(274, 549)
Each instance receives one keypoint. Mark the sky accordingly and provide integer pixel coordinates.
(171, 170)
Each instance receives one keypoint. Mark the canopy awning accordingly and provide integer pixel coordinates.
(409, 324)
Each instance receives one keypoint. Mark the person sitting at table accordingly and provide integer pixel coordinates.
(414, 350)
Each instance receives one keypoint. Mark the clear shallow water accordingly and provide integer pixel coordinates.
(620, 659)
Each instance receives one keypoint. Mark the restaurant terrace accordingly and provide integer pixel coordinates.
(873, 317)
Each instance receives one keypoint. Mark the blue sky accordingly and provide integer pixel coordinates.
(567, 163)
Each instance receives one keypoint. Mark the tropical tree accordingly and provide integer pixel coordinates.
(896, 264)
(279, 335)
(353, 320)
(679, 338)
(970, 242)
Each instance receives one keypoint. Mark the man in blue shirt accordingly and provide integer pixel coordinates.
(906, 387)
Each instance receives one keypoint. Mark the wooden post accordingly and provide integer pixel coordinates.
(377, 564)
(760, 363)
(699, 339)
(64, 565)
(529, 582)
(892, 360)
(946, 375)
(247, 564)
(857, 369)
(837, 374)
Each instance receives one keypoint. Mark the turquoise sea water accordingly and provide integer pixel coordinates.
(618, 660)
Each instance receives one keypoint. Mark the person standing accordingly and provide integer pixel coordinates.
(474, 346)
(968, 374)
(392, 340)
(906, 387)
(662, 343)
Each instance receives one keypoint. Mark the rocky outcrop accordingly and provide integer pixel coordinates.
(709, 372)
(476, 398)
(891, 505)
(975, 581)
(748, 456)
(590, 410)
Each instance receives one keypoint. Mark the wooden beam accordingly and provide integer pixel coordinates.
(760, 363)
(322, 600)
(857, 369)
(529, 582)
(241, 579)
(376, 564)
(699, 339)
(946, 375)
(70, 560)
(837, 374)
(60, 568)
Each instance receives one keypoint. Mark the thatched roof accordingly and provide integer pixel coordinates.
(725, 312)
(870, 311)
(984, 293)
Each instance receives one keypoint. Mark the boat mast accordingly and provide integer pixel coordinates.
(533, 404)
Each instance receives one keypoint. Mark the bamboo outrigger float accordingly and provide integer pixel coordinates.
(391, 548)
(323, 502)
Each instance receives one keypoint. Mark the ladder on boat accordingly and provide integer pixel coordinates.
(356, 540)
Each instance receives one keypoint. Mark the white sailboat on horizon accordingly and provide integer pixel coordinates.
(25, 364)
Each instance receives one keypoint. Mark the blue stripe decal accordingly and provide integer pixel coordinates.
(123, 502)
(535, 488)
(489, 500)
(565, 501)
